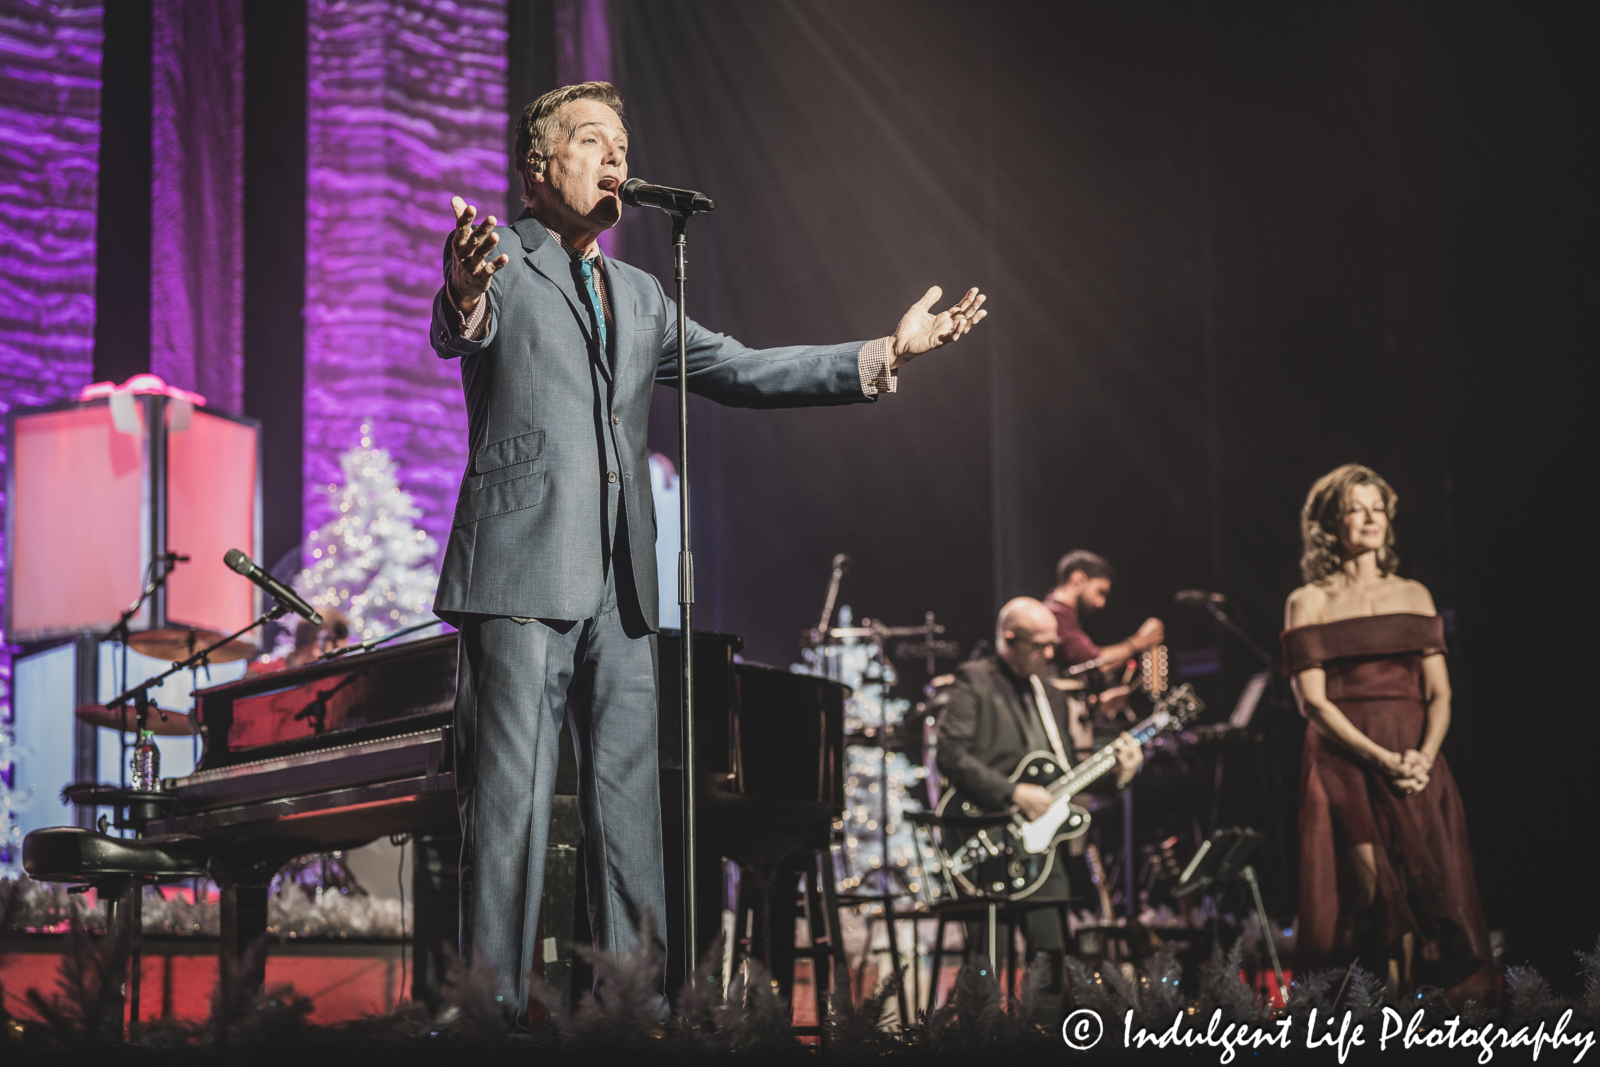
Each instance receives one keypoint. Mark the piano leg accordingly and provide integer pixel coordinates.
(782, 910)
(436, 931)
(243, 872)
(244, 922)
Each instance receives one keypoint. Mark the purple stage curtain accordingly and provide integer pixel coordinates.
(406, 107)
(584, 53)
(197, 198)
(583, 41)
(49, 180)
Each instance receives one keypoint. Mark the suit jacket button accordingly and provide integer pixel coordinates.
(616, 420)
(611, 476)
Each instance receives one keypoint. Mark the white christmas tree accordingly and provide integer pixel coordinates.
(371, 562)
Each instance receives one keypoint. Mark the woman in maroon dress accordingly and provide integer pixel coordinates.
(1385, 867)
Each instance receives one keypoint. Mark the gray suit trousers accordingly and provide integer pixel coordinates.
(516, 681)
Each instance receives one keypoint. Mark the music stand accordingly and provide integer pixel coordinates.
(1219, 863)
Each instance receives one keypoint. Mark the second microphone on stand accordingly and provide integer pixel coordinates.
(243, 564)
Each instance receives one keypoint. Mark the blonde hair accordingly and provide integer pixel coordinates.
(1321, 552)
(541, 121)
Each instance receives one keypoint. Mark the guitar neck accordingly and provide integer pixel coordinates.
(1098, 765)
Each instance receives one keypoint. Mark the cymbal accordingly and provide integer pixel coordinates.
(180, 642)
(898, 737)
(162, 721)
(876, 630)
(927, 649)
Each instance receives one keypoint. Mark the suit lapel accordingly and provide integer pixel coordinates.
(550, 261)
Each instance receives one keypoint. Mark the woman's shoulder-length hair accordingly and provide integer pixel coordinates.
(1324, 507)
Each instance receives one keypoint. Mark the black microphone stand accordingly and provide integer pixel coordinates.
(1276, 700)
(368, 646)
(169, 562)
(680, 207)
(1236, 630)
(139, 693)
(680, 271)
(120, 633)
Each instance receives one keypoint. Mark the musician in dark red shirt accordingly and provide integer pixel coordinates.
(1083, 581)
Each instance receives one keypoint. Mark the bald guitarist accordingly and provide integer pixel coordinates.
(999, 710)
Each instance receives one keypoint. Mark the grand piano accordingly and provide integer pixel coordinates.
(339, 753)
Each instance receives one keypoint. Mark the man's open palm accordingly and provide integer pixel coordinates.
(920, 330)
(470, 266)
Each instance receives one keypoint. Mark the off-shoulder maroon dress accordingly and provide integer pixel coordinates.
(1425, 883)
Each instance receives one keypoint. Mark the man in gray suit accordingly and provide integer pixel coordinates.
(550, 569)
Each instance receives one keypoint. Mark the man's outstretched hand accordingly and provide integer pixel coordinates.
(922, 331)
(470, 267)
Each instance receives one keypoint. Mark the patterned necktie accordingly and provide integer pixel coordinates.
(587, 267)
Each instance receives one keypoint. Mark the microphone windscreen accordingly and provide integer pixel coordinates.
(237, 561)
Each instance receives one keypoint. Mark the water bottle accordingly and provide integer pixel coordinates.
(145, 764)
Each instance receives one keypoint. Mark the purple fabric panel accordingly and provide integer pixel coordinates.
(597, 59)
(406, 107)
(584, 54)
(197, 209)
(583, 41)
(49, 180)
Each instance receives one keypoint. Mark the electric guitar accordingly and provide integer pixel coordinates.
(1011, 859)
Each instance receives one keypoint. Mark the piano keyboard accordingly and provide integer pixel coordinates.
(411, 755)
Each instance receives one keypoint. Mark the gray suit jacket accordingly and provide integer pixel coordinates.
(550, 417)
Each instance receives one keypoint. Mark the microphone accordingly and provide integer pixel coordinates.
(1197, 597)
(238, 561)
(636, 193)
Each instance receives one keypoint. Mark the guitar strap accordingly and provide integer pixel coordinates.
(1042, 702)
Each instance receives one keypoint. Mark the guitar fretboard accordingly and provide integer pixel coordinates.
(1090, 770)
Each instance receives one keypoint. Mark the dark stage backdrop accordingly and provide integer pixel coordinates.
(1227, 248)
(1208, 243)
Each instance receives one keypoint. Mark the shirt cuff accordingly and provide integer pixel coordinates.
(474, 326)
(874, 360)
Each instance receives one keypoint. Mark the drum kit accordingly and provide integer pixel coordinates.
(170, 645)
(882, 857)
(140, 797)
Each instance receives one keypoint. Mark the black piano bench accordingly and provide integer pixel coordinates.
(115, 867)
(84, 857)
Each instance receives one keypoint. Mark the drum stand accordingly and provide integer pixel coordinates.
(886, 897)
(143, 806)
(120, 633)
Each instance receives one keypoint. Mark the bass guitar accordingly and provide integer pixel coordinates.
(1011, 858)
